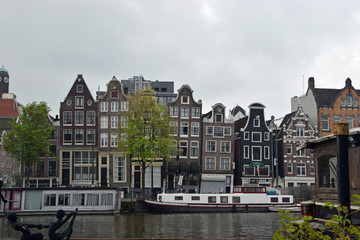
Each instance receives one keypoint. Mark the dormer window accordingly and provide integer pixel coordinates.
(256, 122)
(79, 88)
(185, 99)
(218, 118)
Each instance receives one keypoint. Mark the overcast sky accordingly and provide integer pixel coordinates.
(232, 52)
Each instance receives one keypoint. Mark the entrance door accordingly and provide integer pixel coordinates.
(65, 177)
(171, 181)
(104, 177)
(137, 179)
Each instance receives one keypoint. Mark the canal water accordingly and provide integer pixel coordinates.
(150, 225)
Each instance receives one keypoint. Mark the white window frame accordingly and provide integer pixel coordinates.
(184, 125)
(104, 139)
(207, 163)
(290, 166)
(124, 106)
(117, 168)
(211, 146)
(184, 112)
(104, 122)
(194, 146)
(266, 152)
(194, 126)
(225, 145)
(195, 112)
(104, 107)
(256, 133)
(246, 135)
(288, 147)
(79, 102)
(114, 122)
(114, 106)
(174, 111)
(114, 139)
(252, 153)
(67, 114)
(300, 169)
(185, 145)
(246, 152)
(185, 99)
(223, 164)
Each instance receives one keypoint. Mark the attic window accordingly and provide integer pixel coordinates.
(114, 94)
(79, 88)
(184, 99)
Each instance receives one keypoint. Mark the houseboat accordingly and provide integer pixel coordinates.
(31, 201)
(242, 199)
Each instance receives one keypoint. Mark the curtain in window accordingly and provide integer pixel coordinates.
(33, 200)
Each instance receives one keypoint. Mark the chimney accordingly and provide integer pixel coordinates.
(311, 83)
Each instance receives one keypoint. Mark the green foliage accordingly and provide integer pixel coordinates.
(28, 138)
(146, 134)
(338, 227)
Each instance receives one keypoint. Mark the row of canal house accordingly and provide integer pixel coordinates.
(218, 149)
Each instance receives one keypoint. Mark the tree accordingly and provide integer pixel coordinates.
(145, 134)
(28, 138)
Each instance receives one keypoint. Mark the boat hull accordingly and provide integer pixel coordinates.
(154, 206)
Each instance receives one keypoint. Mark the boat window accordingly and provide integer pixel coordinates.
(223, 199)
(285, 199)
(195, 198)
(78, 199)
(64, 200)
(236, 199)
(245, 189)
(274, 199)
(211, 199)
(50, 199)
(178, 198)
(263, 190)
(107, 199)
(92, 199)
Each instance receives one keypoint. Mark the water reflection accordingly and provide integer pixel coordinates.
(179, 225)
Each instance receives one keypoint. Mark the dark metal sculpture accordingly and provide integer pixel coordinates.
(1, 195)
(24, 227)
(53, 235)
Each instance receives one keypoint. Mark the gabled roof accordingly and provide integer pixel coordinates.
(8, 108)
(325, 97)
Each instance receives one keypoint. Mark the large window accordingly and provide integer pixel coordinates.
(210, 146)
(209, 130)
(90, 118)
(184, 112)
(224, 163)
(264, 171)
(104, 122)
(195, 112)
(325, 123)
(67, 118)
(256, 136)
(104, 140)
(195, 128)
(210, 163)
(79, 136)
(90, 136)
(299, 131)
(174, 111)
(184, 128)
(218, 118)
(174, 128)
(124, 106)
(119, 169)
(114, 106)
(301, 169)
(114, 121)
(218, 132)
(337, 119)
(350, 121)
(79, 102)
(104, 106)
(67, 136)
(194, 149)
(256, 153)
(79, 118)
(183, 148)
(249, 170)
(225, 146)
(114, 140)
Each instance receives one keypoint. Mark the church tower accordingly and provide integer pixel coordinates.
(4, 81)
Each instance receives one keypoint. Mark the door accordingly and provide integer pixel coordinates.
(66, 177)
(104, 177)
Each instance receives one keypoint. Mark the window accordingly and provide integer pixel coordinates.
(256, 137)
(225, 147)
(218, 132)
(64, 199)
(223, 199)
(266, 136)
(92, 199)
(79, 136)
(246, 135)
(174, 111)
(67, 136)
(52, 168)
(263, 171)
(79, 102)
(350, 121)
(288, 148)
(184, 99)
(210, 146)
(195, 198)
(299, 131)
(218, 118)
(184, 128)
(209, 130)
(300, 152)
(289, 167)
(337, 119)
(114, 106)
(312, 168)
(104, 121)
(114, 121)
(184, 112)
(224, 163)
(90, 136)
(50, 199)
(249, 170)
(300, 169)
(90, 118)
(227, 131)
(114, 140)
(114, 94)
(256, 153)
(267, 152)
(104, 140)
(124, 106)
(67, 118)
(79, 118)
(104, 107)
(123, 122)
(274, 199)
(325, 123)
(195, 128)
(78, 199)
(195, 112)
(79, 88)
(119, 169)
(246, 152)
(210, 163)
(183, 148)
(173, 128)
(194, 149)
(236, 199)
(178, 198)
(256, 122)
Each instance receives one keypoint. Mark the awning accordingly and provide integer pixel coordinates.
(213, 177)
(172, 167)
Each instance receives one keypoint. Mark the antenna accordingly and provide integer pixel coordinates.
(303, 86)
